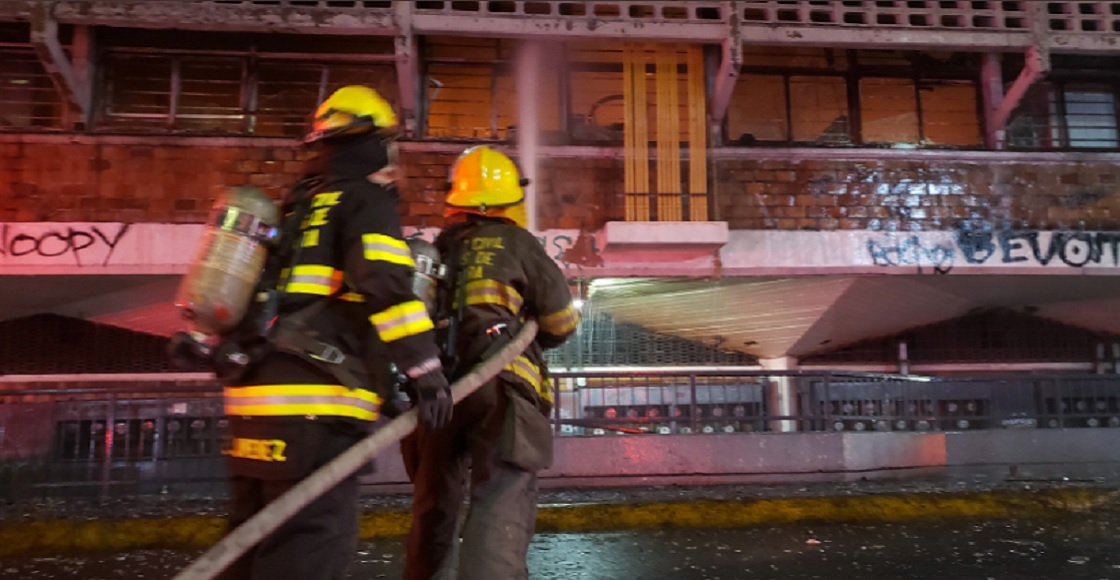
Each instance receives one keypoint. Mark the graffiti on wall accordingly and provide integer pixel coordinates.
(77, 242)
(939, 252)
(912, 251)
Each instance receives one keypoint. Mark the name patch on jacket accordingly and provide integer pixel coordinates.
(321, 205)
(481, 254)
(257, 449)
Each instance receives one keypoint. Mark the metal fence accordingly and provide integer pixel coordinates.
(113, 441)
(121, 441)
(656, 402)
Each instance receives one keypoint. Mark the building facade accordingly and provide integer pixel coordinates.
(776, 180)
(773, 191)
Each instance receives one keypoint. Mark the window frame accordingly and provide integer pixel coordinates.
(47, 110)
(1052, 92)
(1060, 88)
(853, 73)
(251, 63)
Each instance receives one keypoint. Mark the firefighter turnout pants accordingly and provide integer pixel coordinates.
(319, 542)
(503, 497)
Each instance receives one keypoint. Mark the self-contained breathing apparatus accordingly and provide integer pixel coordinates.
(232, 301)
(221, 295)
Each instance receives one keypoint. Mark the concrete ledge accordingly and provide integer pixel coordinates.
(698, 236)
(1028, 446)
(59, 537)
(686, 454)
(739, 454)
(868, 451)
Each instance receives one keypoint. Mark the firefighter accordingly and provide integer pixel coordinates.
(346, 312)
(499, 277)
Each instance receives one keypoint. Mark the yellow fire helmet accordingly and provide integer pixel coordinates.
(351, 109)
(486, 182)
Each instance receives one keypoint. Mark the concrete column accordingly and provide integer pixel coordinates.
(991, 88)
(781, 396)
(530, 61)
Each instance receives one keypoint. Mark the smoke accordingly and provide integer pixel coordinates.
(530, 61)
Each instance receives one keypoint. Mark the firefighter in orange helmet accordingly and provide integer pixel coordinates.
(345, 312)
(499, 277)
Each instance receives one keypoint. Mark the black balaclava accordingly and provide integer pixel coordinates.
(349, 157)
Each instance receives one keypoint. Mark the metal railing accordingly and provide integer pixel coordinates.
(655, 402)
(121, 441)
(100, 442)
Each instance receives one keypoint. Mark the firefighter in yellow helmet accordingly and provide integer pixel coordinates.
(485, 182)
(345, 312)
(500, 436)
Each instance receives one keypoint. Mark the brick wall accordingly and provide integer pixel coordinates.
(580, 193)
(909, 195)
(162, 182)
(573, 193)
(131, 183)
(64, 182)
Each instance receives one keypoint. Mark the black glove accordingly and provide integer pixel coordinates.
(434, 394)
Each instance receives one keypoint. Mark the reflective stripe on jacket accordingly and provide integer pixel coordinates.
(506, 277)
(351, 248)
(301, 400)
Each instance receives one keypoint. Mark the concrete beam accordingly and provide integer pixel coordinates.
(1033, 67)
(1038, 15)
(15, 11)
(884, 38)
(731, 59)
(72, 87)
(215, 16)
(991, 90)
(569, 28)
(1091, 42)
(408, 66)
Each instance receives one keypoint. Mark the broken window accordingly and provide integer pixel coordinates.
(180, 92)
(950, 113)
(597, 86)
(232, 84)
(762, 113)
(462, 102)
(801, 96)
(287, 93)
(28, 99)
(889, 111)
(821, 104)
(470, 92)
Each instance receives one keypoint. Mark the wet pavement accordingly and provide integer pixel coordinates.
(1076, 547)
(1036, 478)
(1081, 540)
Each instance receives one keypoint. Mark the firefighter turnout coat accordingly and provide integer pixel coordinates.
(352, 255)
(505, 276)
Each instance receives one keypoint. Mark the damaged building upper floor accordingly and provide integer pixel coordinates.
(1012, 75)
